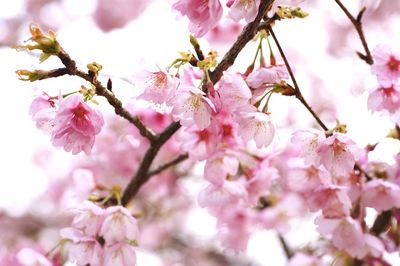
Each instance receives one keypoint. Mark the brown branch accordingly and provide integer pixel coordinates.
(245, 36)
(356, 21)
(285, 246)
(142, 176)
(298, 93)
(175, 161)
(382, 223)
(71, 69)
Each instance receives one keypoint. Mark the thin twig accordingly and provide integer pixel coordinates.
(245, 36)
(175, 161)
(367, 57)
(285, 246)
(298, 93)
(71, 69)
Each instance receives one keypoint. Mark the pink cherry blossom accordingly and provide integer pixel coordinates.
(119, 225)
(219, 167)
(198, 143)
(386, 65)
(119, 254)
(158, 87)
(267, 75)
(89, 218)
(347, 235)
(30, 257)
(307, 179)
(234, 228)
(381, 195)
(76, 125)
(217, 198)
(385, 99)
(43, 111)
(82, 249)
(257, 126)
(246, 9)
(234, 91)
(202, 14)
(308, 142)
(332, 200)
(338, 154)
(114, 14)
(191, 106)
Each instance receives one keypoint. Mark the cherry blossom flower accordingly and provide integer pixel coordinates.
(309, 142)
(338, 154)
(158, 87)
(76, 125)
(246, 9)
(202, 14)
(267, 75)
(386, 65)
(219, 167)
(191, 106)
(30, 257)
(119, 254)
(234, 91)
(332, 200)
(381, 195)
(257, 126)
(119, 225)
(114, 14)
(200, 144)
(82, 249)
(385, 99)
(347, 235)
(43, 112)
(89, 218)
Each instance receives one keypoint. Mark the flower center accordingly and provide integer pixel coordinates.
(393, 64)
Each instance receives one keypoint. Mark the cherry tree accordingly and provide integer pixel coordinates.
(262, 153)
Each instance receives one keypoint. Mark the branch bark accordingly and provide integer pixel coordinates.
(367, 57)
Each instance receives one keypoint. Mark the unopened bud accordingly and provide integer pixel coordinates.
(31, 75)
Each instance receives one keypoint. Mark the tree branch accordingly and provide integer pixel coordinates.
(245, 36)
(285, 246)
(142, 176)
(298, 93)
(175, 161)
(367, 57)
(71, 69)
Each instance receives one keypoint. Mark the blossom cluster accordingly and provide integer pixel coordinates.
(71, 122)
(102, 236)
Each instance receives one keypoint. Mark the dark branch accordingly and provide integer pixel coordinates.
(356, 21)
(298, 93)
(285, 246)
(175, 161)
(71, 69)
(245, 36)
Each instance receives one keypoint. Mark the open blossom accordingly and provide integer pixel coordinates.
(198, 143)
(119, 225)
(89, 218)
(119, 254)
(347, 235)
(308, 141)
(158, 87)
(246, 9)
(257, 126)
(76, 125)
(386, 65)
(219, 167)
(381, 195)
(234, 91)
(30, 257)
(43, 111)
(82, 249)
(338, 154)
(202, 14)
(385, 99)
(191, 106)
(267, 75)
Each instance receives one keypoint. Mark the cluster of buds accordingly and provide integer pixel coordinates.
(46, 43)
